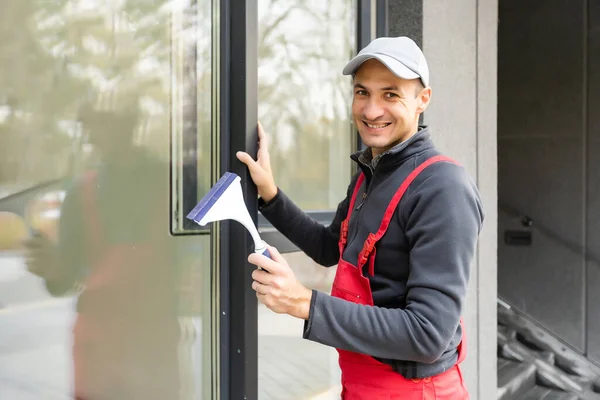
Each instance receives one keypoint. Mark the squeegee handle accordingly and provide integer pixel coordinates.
(267, 254)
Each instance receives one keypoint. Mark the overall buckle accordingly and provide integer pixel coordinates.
(367, 249)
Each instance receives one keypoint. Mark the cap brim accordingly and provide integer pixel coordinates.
(397, 68)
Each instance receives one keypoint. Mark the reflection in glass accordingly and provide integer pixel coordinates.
(304, 105)
(97, 300)
(303, 98)
(290, 367)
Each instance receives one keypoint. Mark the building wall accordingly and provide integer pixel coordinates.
(459, 39)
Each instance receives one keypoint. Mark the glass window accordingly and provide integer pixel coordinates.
(290, 367)
(96, 297)
(303, 98)
(304, 106)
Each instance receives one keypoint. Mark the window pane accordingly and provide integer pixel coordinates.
(304, 100)
(112, 306)
(290, 367)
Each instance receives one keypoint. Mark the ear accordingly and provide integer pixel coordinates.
(423, 99)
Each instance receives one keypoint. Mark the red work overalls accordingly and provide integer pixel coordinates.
(363, 377)
(126, 333)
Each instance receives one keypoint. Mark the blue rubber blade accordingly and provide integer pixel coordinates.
(209, 200)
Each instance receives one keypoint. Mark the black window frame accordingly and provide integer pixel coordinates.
(238, 350)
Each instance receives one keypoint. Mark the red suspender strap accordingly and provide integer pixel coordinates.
(372, 239)
(344, 227)
(462, 346)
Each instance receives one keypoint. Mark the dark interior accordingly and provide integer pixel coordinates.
(548, 179)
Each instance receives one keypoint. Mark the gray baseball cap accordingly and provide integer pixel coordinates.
(401, 55)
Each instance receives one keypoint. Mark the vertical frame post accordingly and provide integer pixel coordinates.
(239, 330)
(382, 18)
(363, 38)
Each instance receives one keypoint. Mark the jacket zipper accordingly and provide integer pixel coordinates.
(364, 199)
(365, 195)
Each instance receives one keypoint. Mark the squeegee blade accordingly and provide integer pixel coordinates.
(213, 195)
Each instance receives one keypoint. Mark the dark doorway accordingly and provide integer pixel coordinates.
(548, 149)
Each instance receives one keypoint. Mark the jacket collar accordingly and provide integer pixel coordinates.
(417, 143)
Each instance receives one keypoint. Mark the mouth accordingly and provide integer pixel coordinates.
(376, 126)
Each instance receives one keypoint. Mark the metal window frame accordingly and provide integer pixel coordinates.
(363, 37)
(184, 187)
(238, 348)
(238, 119)
(382, 25)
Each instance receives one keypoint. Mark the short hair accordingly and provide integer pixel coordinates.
(419, 87)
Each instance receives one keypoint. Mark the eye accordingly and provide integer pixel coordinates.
(390, 95)
(361, 92)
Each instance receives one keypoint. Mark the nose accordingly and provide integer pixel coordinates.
(373, 110)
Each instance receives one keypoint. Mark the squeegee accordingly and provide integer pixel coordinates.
(226, 201)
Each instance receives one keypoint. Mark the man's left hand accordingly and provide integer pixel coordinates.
(277, 287)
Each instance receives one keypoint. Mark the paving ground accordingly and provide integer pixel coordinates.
(291, 367)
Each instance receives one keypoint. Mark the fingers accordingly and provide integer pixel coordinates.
(261, 277)
(36, 264)
(262, 137)
(260, 289)
(37, 240)
(265, 263)
(246, 159)
(274, 265)
(256, 171)
(263, 144)
(40, 255)
(35, 269)
(275, 255)
(263, 148)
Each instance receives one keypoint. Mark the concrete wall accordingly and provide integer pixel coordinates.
(459, 39)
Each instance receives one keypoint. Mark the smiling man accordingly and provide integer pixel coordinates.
(403, 241)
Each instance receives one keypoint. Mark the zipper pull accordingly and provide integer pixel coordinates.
(364, 197)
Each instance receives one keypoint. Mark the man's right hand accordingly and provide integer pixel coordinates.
(260, 170)
(41, 256)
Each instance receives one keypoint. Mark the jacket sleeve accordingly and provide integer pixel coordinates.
(442, 228)
(70, 247)
(319, 242)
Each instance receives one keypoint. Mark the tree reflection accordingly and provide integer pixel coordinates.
(303, 97)
(88, 96)
(109, 96)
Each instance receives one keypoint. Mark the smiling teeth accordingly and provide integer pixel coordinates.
(376, 126)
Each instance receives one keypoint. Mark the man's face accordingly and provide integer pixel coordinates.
(110, 135)
(385, 108)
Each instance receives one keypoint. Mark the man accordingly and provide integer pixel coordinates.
(126, 331)
(403, 240)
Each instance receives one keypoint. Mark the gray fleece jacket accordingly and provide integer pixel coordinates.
(422, 263)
